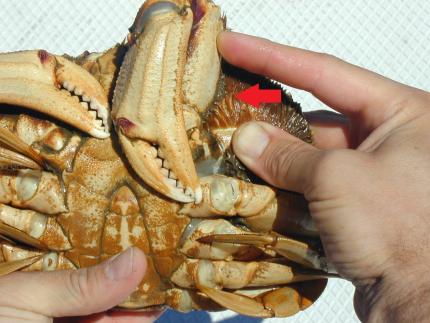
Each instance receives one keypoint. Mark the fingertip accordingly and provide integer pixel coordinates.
(230, 45)
(249, 142)
(272, 153)
(223, 43)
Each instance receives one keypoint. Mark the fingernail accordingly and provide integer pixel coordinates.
(250, 141)
(120, 266)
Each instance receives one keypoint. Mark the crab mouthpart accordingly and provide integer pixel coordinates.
(57, 87)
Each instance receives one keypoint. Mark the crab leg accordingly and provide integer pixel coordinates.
(192, 247)
(237, 275)
(40, 191)
(12, 160)
(15, 265)
(55, 86)
(16, 258)
(280, 302)
(258, 205)
(219, 239)
(32, 228)
(12, 141)
(211, 277)
(186, 300)
(294, 250)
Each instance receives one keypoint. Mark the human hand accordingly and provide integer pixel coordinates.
(367, 181)
(89, 292)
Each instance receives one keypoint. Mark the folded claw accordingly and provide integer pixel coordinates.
(167, 70)
(57, 87)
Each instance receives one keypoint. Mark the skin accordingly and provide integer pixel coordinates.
(85, 294)
(367, 178)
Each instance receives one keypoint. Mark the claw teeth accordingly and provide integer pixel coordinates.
(68, 86)
(159, 162)
(165, 172)
(93, 114)
(172, 175)
(153, 152)
(179, 184)
(97, 111)
(78, 92)
(161, 154)
(166, 164)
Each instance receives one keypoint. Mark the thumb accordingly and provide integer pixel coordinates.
(276, 156)
(75, 292)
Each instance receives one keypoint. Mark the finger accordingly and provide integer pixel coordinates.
(349, 89)
(330, 130)
(75, 293)
(279, 158)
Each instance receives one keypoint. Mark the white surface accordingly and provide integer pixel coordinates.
(391, 37)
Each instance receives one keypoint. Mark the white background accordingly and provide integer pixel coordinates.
(390, 37)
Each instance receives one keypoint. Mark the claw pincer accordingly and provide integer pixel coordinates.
(172, 65)
(57, 87)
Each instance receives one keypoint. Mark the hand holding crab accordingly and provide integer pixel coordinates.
(370, 204)
(158, 182)
(76, 191)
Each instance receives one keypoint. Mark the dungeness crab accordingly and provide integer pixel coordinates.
(131, 147)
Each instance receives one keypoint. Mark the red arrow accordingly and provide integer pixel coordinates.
(254, 96)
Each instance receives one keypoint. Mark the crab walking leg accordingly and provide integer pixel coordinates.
(57, 87)
(219, 239)
(237, 275)
(16, 257)
(12, 141)
(32, 228)
(258, 205)
(227, 196)
(186, 300)
(211, 277)
(33, 189)
(15, 265)
(148, 104)
(281, 302)
(291, 249)
(13, 160)
(197, 229)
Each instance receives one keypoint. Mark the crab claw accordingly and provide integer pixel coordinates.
(149, 99)
(54, 86)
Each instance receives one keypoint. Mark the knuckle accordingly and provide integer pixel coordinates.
(79, 285)
(325, 61)
(328, 58)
